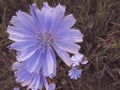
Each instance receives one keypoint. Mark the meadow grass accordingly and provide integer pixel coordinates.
(98, 20)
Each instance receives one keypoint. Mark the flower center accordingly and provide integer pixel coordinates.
(44, 39)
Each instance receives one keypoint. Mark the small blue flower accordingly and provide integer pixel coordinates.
(33, 80)
(78, 59)
(74, 73)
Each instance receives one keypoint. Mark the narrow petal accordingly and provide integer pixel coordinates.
(66, 23)
(49, 14)
(27, 19)
(41, 81)
(18, 38)
(77, 57)
(33, 62)
(29, 79)
(37, 82)
(22, 45)
(60, 11)
(46, 84)
(68, 46)
(21, 76)
(15, 66)
(52, 16)
(40, 63)
(63, 55)
(70, 35)
(49, 64)
(84, 62)
(25, 77)
(19, 23)
(38, 18)
(33, 11)
(25, 54)
(54, 58)
(32, 84)
(49, 20)
(51, 86)
(19, 32)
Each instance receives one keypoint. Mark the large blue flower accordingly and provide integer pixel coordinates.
(41, 33)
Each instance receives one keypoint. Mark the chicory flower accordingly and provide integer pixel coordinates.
(75, 73)
(41, 33)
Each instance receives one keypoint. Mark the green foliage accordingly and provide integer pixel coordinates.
(98, 20)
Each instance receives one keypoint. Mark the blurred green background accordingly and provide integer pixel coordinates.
(98, 20)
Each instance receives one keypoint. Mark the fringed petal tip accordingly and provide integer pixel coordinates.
(51, 86)
(15, 66)
(84, 61)
(33, 5)
(45, 4)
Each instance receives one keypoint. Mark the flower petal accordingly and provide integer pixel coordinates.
(15, 66)
(28, 80)
(46, 84)
(49, 19)
(50, 64)
(42, 78)
(22, 45)
(33, 62)
(20, 23)
(18, 38)
(66, 23)
(70, 35)
(52, 16)
(33, 82)
(21, 76)
(77, 57)
(63, 55)
(19, 32)
(27, 19)
(25, 54)
(35, 12)
(51, 86)
(60, 11)
(37, 82)
(84, 62)
(68, 46)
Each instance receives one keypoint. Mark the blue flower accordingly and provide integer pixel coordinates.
(74, 73)
(78, 59)
(33, 80)
(42, 33)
